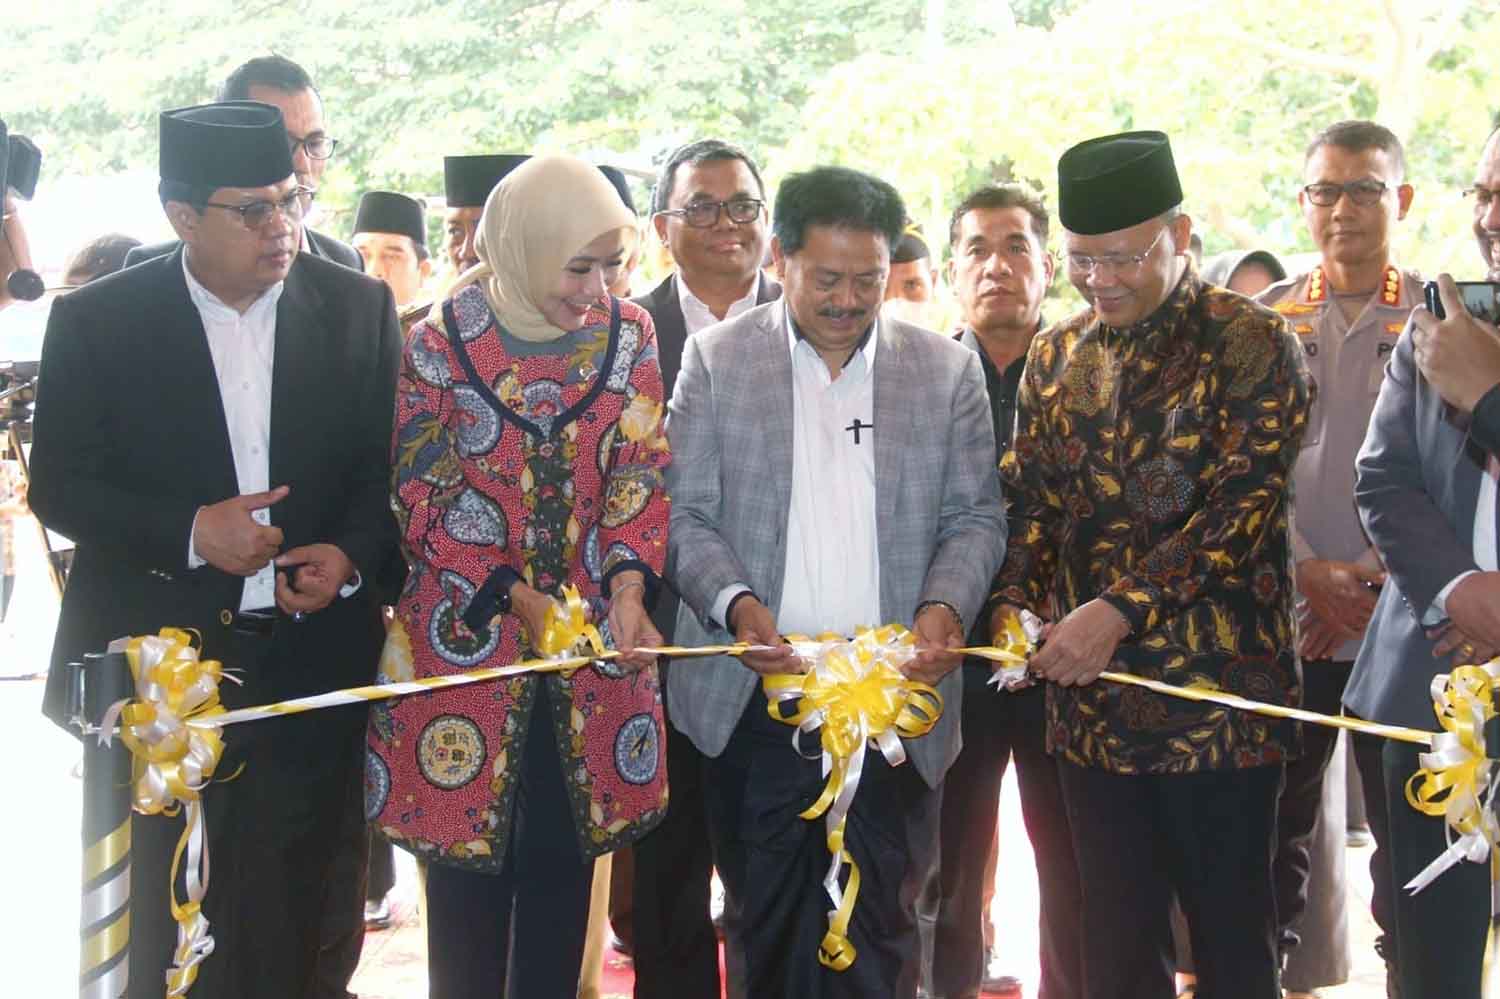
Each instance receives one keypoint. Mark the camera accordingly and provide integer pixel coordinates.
(20, 167)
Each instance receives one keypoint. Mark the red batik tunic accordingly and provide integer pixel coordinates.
(547, 459)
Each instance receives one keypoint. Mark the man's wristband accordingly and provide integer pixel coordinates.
(945, 605)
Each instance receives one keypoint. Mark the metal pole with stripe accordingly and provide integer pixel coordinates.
(104, 919)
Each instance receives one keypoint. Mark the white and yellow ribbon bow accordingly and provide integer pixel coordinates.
(855, 693)
(173, 761)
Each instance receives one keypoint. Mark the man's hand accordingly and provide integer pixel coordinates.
(1339, 594)
(1474, 608)
(226, 536)
(1459, 355)
(937, 629)
(628, 621)
(1319, 639)
(754, 624)
(1081, 645)
(312, 577)
(1464, 649)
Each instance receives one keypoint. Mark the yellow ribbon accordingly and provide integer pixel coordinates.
(172, 762)
(855, 692)
(567, 624)
(1455, 779)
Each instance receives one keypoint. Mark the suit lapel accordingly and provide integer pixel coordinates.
(294, 375)
(193, 381)
(891, 416)
(773, 384)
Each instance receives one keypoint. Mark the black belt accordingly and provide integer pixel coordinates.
(253, 622)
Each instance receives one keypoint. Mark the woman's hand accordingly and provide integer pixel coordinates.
(531, 607)
(628, 621)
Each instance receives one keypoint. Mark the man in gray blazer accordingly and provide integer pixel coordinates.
(1425, 490)
(830, 469)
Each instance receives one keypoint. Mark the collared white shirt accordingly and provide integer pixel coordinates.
(243, 347)
(697, 316)
(831, 580)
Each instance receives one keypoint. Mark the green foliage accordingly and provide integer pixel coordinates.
(934, 95)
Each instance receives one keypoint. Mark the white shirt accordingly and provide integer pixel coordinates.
(1485, 555)
(244, 351)
(831, 581)
(697, 316)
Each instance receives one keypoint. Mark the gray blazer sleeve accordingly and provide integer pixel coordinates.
(700, 562)
(1409, 529)
(971, 527)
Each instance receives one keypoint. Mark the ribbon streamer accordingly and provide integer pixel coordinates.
(855, 693)
(175, 745)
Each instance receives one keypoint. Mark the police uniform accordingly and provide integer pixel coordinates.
(1347, 360)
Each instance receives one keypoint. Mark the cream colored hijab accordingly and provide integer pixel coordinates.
(534, 222)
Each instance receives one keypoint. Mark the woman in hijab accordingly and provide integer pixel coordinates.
(529, 456)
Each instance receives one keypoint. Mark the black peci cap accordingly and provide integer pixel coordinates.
(468, 180)
(1115, 182)
(229, 144)
(387, 211)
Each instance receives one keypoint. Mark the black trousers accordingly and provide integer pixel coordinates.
(1369, 760)
(1441, 930)
(1323, 684)
(996, 726)
(518, 933)
(1207, 836)
(274, 881)
(773, 862)
(676, 948)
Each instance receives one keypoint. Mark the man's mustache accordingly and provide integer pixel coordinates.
(829, 312)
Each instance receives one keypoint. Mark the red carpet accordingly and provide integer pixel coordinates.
(618, 979)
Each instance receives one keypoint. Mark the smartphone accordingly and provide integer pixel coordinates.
(1480, 298)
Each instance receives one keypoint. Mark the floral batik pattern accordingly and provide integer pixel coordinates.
(1151, 468)
(550, 463)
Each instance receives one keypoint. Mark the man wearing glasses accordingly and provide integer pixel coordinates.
(709, 210)
(281, 83)
(1347, 312)
(1155, 437)
(214, 433)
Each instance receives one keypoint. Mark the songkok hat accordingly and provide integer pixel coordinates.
(229, 144)
(910, 247)
(616, 177)
(1116, 181)
(387, 211)
(468, 180)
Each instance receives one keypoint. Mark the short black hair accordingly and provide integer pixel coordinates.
(839, 197)
(699, 151)
(1356, 136)
(274, 71)
(175, 190)
(996, 196)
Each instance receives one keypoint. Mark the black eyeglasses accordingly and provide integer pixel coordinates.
(257, 214)
(319, 147)
(1361, 192)
(703, 214)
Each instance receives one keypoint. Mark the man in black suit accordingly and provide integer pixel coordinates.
(283, 84)
(710, 210)
(213, 429)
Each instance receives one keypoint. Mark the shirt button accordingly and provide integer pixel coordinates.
(245, 386)
(255, 450)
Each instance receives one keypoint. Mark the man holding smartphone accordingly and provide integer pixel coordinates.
(1347, 312)
(1425, 489)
